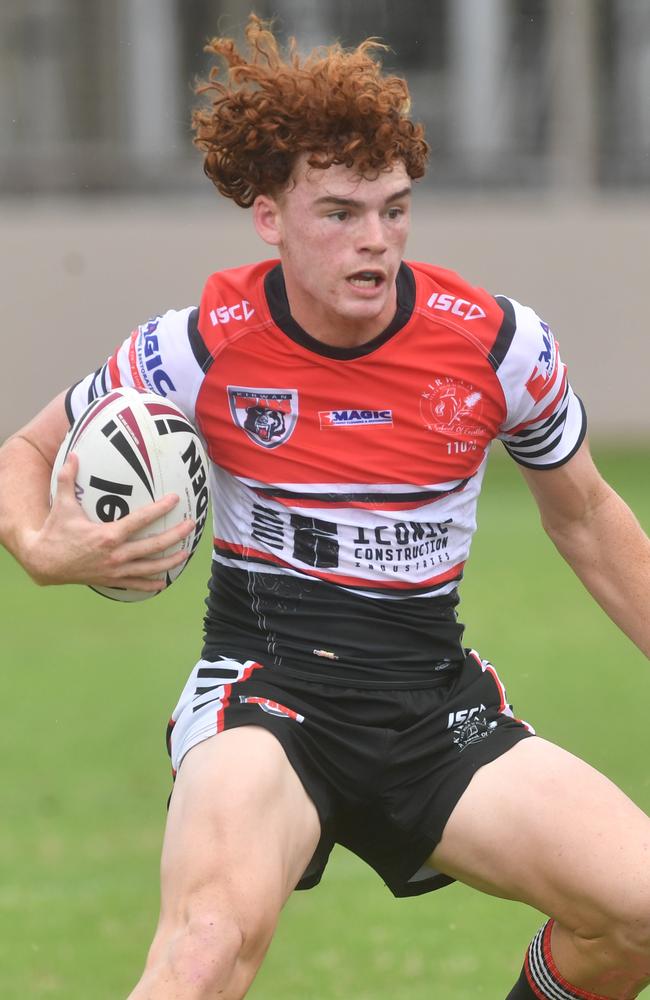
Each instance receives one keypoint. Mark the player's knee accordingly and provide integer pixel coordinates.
(631, 935)
(620, 935)
(214, 948)
(206, 946)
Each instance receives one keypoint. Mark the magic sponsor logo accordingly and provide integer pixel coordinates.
(354, 418)
(540, 379)
(145, 358)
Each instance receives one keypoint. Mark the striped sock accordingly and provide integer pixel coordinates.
(540, 978)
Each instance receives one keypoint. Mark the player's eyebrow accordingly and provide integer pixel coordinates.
(332, 199)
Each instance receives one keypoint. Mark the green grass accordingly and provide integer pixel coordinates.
(87, 686)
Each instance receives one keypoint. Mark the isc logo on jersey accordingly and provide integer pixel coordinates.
(354, 418)
(458, 307)
(225, 314)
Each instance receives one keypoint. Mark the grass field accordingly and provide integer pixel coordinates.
(87, 686)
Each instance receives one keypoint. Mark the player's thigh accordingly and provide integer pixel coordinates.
(542, 826)
(241, 828)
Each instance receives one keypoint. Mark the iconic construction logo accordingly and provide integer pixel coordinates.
(268, 416)
(449, 405)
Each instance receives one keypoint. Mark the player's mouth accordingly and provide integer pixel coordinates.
(366, 280)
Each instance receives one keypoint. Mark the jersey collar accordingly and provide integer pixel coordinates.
(276, 297)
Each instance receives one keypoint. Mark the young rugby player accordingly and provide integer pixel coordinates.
(348, 400)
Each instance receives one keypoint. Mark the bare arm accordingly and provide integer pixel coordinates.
(583, 516)
(61, 545)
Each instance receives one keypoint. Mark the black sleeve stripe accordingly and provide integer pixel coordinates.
(535, 429)
(104, 386)
(562, 461)
(203, 357)
(501, 345)
(535, 452)
(68, 403)
(92, 391)
(541, 435)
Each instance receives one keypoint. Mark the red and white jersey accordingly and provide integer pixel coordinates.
(350, 474)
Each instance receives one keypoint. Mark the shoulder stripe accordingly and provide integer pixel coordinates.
(203, 357)
(501, 345)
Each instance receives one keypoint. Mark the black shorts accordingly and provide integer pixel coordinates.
(383, 768)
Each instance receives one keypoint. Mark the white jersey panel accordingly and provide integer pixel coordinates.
(545, 421)
(156, 357)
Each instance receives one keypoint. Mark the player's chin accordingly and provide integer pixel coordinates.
(363, 311)
(364, 306)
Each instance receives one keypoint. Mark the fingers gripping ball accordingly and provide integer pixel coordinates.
(134, 448)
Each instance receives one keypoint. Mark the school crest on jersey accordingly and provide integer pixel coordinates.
(268, 416)
(448, 405)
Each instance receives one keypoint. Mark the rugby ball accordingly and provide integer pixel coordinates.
(133, 448)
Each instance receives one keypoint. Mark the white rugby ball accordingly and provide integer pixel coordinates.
(133, 448)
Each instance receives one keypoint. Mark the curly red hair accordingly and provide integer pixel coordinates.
(335, 105)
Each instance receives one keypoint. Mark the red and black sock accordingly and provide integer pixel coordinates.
(540, 978)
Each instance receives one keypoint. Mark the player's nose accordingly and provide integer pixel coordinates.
(372, 236)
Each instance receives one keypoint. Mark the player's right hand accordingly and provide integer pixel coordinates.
(70, 548)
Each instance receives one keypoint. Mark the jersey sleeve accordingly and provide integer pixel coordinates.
(545, 421)
(162, 355)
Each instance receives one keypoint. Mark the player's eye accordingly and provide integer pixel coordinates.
(341, 215)
(395, 212)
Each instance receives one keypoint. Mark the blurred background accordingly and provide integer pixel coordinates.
(538, 115)
(532, 94)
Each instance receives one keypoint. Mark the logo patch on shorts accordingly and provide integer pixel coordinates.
(271, 707)
(473, 731)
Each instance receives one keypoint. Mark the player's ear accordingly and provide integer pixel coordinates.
(267, 219)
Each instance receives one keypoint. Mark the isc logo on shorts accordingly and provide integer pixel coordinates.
(463, 715)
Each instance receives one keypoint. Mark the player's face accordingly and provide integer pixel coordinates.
(341, 239)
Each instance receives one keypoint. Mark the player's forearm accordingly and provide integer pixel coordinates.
(609, 551)
(24, 497)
